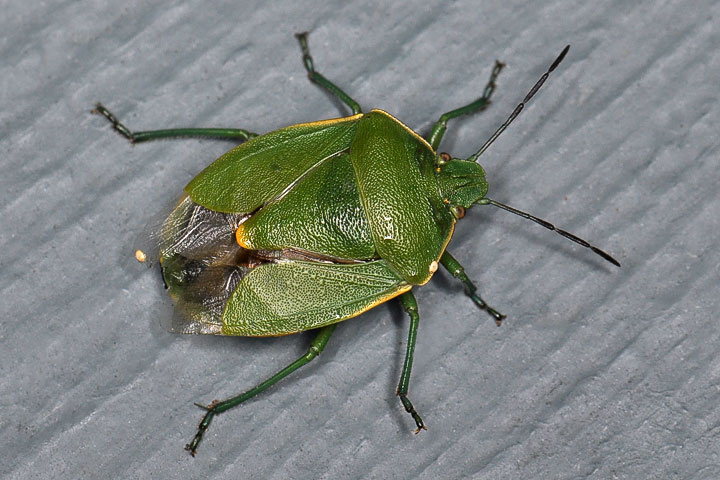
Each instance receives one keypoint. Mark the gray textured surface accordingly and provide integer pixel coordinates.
(598, 373)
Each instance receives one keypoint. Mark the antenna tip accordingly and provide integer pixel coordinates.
(559, 58)
(604, 255)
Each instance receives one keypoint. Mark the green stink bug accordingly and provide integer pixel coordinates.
(315, 223)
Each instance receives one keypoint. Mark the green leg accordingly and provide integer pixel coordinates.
(317, 346)
(137, 137)
(457, 271)
(410, 306)
(478, 105)
(317, 78)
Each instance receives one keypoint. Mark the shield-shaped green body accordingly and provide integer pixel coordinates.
(307, 226)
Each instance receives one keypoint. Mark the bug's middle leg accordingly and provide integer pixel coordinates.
(137, 137)
(457, 271)
(409, 304)
(316, 77)
(478, 105)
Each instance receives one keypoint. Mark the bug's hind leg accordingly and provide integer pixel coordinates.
(316, 347)
(137, 137)
(478, 105)
(317, 78)
(409, 304)
(457, 271)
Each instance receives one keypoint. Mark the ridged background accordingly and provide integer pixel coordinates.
(597, 373)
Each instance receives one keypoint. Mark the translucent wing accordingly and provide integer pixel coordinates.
(201, 264)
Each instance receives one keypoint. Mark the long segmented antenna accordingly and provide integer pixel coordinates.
(519, 108)
(550, 226)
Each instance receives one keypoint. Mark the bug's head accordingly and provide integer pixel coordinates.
(462, 182)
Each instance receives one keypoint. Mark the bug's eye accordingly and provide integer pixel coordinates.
(459, 212)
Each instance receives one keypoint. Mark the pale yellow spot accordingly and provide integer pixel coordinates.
(433, 267)
(140, 256)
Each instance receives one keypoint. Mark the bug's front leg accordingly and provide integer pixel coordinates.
(319, 79)
(478, 105)
(409, 304)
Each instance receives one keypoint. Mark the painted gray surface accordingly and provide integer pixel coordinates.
(598, 373)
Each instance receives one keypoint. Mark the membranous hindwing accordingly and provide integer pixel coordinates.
(201, 264)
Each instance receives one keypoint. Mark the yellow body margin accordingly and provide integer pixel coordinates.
(380, 300)
(328, 121)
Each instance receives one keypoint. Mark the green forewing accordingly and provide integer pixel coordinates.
(321, 214)
(293, 296)
(259, 170)
(395, 174)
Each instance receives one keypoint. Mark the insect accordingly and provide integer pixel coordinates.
(315, 223)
